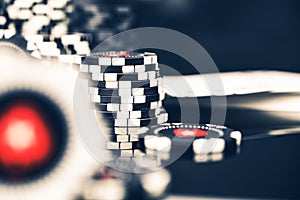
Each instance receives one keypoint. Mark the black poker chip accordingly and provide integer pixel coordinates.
(129, 114)
(150, 75)
(124, 84)
(118, 58)
(122, 68)
(127, 92)
(141, 122)
(126, 107)
(126, 99)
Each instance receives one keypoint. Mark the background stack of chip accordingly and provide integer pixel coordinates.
(102, 18)
(48, 47)
(38, 16)
(43, 24)
(125, 90)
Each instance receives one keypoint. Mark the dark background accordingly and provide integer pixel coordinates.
(239, 35)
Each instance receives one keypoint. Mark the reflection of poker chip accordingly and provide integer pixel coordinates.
(135, 91)
(208, 142)
(118, 59)
(114, 107)
(126, 99)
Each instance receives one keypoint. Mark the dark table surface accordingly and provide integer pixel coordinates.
(265, 168)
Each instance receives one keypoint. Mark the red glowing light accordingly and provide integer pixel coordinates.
(189, 133)
(25, 139)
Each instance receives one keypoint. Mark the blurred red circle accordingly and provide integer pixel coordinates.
(25, 139)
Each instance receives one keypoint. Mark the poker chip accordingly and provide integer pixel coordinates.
(114, 107)
(119, 69)
(158, 119)
(127, 153)
(129, 114)
(207, 142)
(151, 75)
(123, 145)
(125, 91)
(126, 84)
(117, 59)
(126, 99)
(124, 138)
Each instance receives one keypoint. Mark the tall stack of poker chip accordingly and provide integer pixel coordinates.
(126, 93)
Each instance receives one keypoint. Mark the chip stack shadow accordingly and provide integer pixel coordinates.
(126, 93)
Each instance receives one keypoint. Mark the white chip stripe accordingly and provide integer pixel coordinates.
(206, 146)
(119, 145)
(7, 33)
(126, 153)
(130, 131)
(127, 138)
(42, 9)
(162, 144)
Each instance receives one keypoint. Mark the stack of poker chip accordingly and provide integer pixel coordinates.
(125, 90)
(102, 18)
(38, 16)
(49, 47)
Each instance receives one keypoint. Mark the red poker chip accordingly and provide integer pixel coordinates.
(33, 136)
